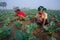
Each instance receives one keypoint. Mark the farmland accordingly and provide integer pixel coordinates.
(31, 11)
(7, 15)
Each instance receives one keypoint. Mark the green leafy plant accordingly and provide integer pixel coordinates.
(27, 34)
(51, 29)
(31, 27)
(19, 35)
(7, 21)
(29, 17)
(52, 38)
(4, 31)
(32, 38)
(18, 24)
(23, 36)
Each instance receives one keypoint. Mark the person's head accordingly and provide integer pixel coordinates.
(44, 9)
(16, 9)
(40, 9)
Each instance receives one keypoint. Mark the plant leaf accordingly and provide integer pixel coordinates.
(46, 28)
(52, 24)
(52, 38)
(58, 28)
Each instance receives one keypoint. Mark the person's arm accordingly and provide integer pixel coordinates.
(37, 15)
(45, 19)
(22, 16)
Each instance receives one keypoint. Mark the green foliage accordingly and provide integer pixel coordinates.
(46, 28)
(7, 15)
(19, 35)
(52, 24)
(29, 17)
(7, 21)
(58, 28)
(30, 12)
(30, 28)
(18, 24)
(32, 38)
(51, 29)
(4, 32)
(23, 36)
(52, 38)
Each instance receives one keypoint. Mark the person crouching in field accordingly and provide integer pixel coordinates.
(41, 16)
(20, 14)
